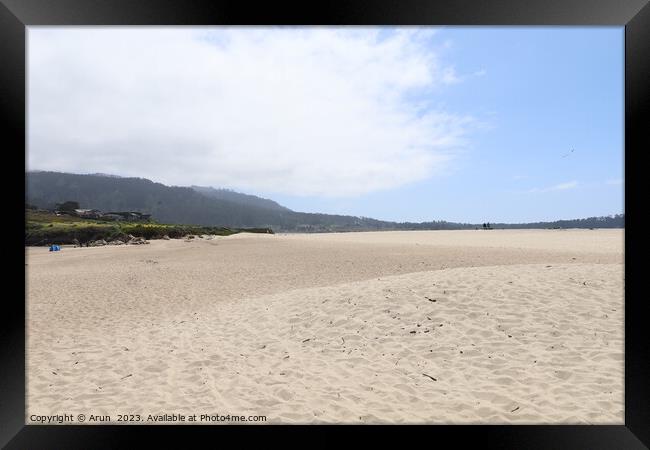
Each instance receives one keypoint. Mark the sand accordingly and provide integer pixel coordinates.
(489, 327)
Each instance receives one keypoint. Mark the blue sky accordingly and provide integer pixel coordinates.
(465, 124)
(544, 91)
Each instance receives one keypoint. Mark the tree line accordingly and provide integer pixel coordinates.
(214, 207)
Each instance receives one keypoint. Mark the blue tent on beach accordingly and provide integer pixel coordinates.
(54, 248)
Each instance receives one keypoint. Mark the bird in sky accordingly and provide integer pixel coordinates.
(564, 156)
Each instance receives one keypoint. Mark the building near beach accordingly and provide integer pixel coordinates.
(88, 213)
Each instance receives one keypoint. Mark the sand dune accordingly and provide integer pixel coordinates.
(410, 327)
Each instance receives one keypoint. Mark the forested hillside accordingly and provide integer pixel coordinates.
(220, 207)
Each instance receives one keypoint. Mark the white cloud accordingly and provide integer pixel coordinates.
(564, 186)
(311, 111)
(449, 76)
(557, 187)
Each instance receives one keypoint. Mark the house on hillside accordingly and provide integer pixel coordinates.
(88, 213)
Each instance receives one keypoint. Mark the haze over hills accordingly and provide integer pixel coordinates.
(237, 197)
(221, 207)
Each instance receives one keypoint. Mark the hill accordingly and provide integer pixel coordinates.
(181, 205)
(208, 206)
(239, 198)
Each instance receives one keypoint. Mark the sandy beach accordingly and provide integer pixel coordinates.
(462, 327)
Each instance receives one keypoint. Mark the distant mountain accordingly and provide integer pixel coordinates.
(99, 174)
(220, 207)
(168, 204)
(179, 205)
(239, 198)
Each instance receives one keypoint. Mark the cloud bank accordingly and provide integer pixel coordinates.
(557, 187)
(302, 111)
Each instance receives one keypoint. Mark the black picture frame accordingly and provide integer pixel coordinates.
(634, 15)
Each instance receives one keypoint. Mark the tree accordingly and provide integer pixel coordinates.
(68, 206)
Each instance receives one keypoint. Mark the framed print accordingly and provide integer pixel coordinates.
(358, 213)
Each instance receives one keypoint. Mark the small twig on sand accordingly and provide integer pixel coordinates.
(429, 376)
(515, 409)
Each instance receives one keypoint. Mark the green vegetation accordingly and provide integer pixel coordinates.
(208, 206)
(44, 228)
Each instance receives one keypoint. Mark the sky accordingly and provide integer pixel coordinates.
(464, 124)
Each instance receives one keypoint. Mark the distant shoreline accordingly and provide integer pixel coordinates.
(466, 229)
(203, 206)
